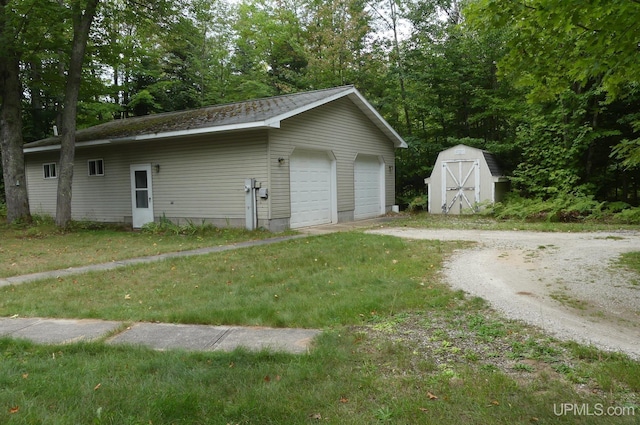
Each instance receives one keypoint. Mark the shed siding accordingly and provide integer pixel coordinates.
(198, 178)
(339, 127)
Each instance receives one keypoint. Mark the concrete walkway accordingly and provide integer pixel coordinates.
(164, 336)
(159, 336)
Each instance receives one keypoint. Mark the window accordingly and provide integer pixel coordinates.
(49, 171)
(96, 167)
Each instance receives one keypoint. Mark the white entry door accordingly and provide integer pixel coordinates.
(460, 185)
(141, 195)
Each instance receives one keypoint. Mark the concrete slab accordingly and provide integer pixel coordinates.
(296, 341)
(57, 331)
(164, 336)
(10, 325)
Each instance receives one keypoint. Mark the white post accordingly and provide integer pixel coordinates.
(250, 204)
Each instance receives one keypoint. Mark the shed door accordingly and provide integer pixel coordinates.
(460, 185)
(368, 187)
(141, 195)
(310, 188)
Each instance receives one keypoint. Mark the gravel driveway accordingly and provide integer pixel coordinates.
(563, 283)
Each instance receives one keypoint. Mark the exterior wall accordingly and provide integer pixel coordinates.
(198, 179)
(202, 178)
(341, 128)
(454, 153)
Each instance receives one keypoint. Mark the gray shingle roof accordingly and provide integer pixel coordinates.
(492, 163)
(256, 113)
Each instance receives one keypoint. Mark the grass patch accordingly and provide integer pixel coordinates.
(41, 246)
(354, 375)
(313, 282)
(630, 260)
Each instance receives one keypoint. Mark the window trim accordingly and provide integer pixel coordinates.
(46, 170)
(96, 168)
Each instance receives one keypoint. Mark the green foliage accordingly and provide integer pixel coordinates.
(555, 47)
(166, 226)
(562, 208)
(143, 103)
(419, 203)
(628, 216)
(580, 44)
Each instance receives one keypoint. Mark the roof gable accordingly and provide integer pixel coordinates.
(490, 159)
(251, 114)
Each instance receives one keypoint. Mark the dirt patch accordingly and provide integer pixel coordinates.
(563, 283)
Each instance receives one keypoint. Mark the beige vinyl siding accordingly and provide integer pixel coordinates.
(198, 178)
(42, 192)
(339, 127)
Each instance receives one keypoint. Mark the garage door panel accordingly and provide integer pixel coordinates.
(367, 188)
(310, 174)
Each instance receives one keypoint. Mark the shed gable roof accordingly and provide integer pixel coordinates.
(489, 158)
(251, 114)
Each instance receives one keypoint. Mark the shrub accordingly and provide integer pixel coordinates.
(628, 216)
(419, 203)
(562, 208)
(166, 226)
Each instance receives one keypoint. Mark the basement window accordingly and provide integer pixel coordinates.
(49, 171)
(96, 167)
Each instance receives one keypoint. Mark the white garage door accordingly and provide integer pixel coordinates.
(368, 187)
(310, 189)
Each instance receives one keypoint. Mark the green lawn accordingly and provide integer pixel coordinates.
(398, 346)
(314, 282)
(41, 247)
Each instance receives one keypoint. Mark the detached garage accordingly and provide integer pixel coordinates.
(304, 159)
(462, 179)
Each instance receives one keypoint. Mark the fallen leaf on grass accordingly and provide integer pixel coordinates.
(25, 375)
(343, 399)
(127, 297)
(14, 409)
(96, 387)
(495, 403)
(316, 416)
(431, 396)
(423, 409)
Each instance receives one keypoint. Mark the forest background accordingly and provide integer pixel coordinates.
(549, 86)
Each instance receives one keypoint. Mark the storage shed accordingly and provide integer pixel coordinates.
(464, 178)
(297, 160)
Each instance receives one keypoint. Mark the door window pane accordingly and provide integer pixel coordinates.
(141, 179)
(142, 198)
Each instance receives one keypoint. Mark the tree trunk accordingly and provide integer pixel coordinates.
(81, 24)
(399, 64)
(11, 132)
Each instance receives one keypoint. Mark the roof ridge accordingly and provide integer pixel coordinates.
(221, 105)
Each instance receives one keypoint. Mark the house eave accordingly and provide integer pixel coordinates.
(165, 135)
(56, 147)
